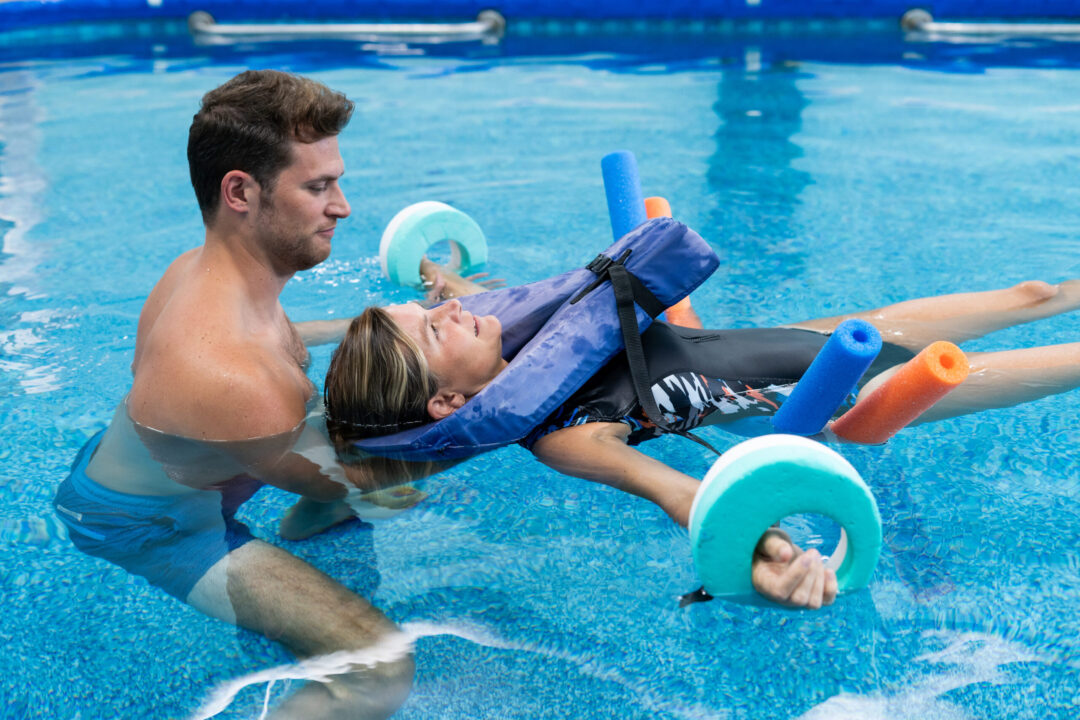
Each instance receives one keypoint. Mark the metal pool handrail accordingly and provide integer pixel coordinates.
(488, 23)
(922, 21)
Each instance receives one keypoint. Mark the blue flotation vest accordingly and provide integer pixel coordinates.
(557, 333)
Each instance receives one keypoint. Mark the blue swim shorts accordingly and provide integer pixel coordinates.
(172, 541)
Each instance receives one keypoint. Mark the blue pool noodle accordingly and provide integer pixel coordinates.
(829, 379)
(626, 204)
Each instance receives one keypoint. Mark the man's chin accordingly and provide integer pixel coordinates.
(313, 258)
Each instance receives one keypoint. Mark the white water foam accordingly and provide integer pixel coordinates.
(976, 657)
(398, 646)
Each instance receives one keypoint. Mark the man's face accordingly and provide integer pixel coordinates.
(296, 220)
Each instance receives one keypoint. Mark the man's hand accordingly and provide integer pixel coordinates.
(786, 575)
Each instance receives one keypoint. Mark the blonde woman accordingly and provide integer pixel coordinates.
(405, 365)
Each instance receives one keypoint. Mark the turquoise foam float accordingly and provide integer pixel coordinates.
(762, 480)
(419, 226)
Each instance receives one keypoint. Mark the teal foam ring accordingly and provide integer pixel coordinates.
(419, 226)
(760, 481)
(831, 377)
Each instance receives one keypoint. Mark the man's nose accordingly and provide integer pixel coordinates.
(339, 206)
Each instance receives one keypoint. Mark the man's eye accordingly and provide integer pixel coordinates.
(317, 188)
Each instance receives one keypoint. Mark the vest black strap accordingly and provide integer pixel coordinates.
(694, 596)
(628, 290)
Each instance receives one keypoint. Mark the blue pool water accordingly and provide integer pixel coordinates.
(827, 180)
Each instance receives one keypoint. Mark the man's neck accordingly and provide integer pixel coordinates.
(238, 260)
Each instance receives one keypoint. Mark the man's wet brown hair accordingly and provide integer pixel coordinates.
(247, 124)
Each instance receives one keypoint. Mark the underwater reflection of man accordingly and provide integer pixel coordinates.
(219, 397)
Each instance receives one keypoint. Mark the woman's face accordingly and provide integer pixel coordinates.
(463, 350)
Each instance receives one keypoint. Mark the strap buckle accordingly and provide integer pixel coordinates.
(599, 266)
(602, 262)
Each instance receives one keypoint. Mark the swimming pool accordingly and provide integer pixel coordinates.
(828, 176)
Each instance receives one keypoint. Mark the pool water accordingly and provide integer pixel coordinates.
(825, 183)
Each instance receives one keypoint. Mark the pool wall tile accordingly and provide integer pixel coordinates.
(26, 13)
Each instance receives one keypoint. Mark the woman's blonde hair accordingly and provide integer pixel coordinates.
(379, 381)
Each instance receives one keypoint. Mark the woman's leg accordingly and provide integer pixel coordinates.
(914, 324)
(1003, 379)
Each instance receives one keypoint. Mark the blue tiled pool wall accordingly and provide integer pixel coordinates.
(168, 42)
(23, 13)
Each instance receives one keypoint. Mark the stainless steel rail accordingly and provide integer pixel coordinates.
(488, 24)
(922, 21)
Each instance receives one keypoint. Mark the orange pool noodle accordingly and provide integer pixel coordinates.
(924, 380)
(681, 313)
(657, 207)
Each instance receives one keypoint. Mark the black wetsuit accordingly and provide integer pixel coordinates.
(738, 377)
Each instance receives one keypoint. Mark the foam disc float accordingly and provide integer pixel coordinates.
(419, 226)
(763, 480)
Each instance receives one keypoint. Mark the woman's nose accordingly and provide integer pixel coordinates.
(449, 310)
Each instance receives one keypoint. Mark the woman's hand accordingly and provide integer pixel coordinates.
(442, 283)
(785, 574)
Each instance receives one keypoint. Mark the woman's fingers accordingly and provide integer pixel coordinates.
(775, 546)
(483, 279)
(779, 579)
(785, 574)
(829, 593)
(803, 595)
(817, 591)
(778, 549)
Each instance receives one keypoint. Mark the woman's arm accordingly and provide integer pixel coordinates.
(598, 451)
(441, 284)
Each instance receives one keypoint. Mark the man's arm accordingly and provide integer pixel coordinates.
(322, 332)
(370, 484)
(598, 452)
(309, 466)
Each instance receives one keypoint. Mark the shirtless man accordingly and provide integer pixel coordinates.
(219, 399)
(220, 403)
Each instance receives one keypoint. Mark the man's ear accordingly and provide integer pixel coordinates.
(444, 403)
(239, 191)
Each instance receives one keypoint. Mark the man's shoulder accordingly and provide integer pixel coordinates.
(206, 366)
(219, 391)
